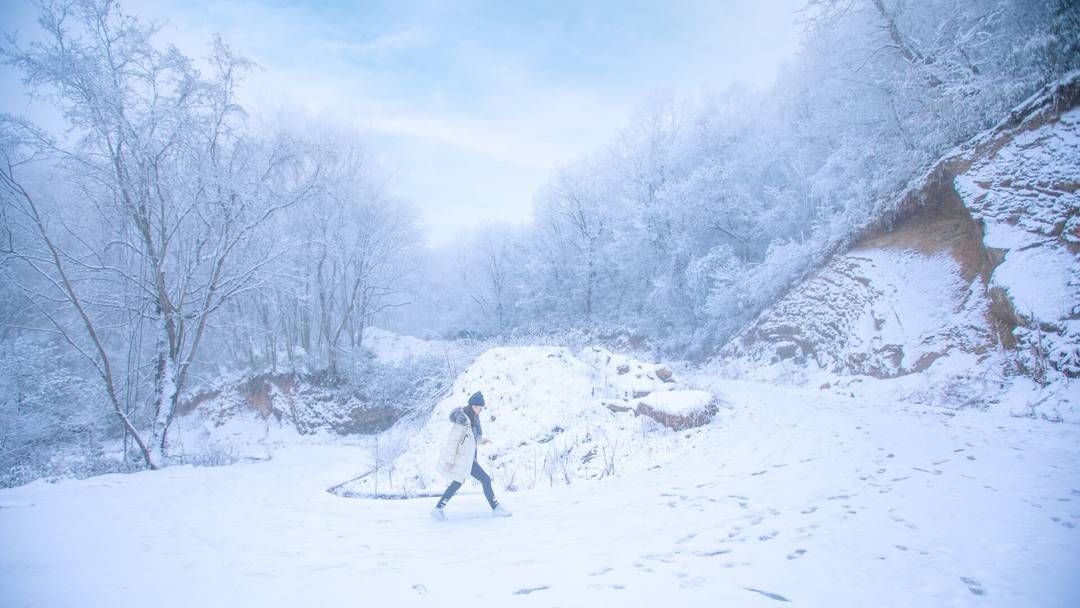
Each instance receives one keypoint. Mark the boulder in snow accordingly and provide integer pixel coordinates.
(679, 410)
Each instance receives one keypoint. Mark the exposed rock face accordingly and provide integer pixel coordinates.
(889, 307)
(1025, 192)
(307, 402)
(895, 303)
(985, 253)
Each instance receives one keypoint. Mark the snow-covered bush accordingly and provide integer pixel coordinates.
(53, 420)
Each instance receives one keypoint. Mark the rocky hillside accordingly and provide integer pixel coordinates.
(981, 268)
(222, 423)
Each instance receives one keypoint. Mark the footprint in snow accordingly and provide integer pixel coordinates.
(904, 522)
(601, 572)
(770, 595)
(659, 557)
(769, 536)
(686, 538)
(690, 583)
(758, 473)
(615, 587)
(796, 554)
(973, 585)
(530, 590)
(713, 553)
(808, 510)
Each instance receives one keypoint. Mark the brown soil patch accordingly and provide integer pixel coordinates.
(942, 225)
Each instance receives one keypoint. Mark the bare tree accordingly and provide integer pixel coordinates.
(576, 218)
(161, 156)
(358, 242)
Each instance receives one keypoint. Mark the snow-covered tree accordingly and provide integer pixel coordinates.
(169, 190)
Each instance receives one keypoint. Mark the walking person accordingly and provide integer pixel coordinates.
(458, 458)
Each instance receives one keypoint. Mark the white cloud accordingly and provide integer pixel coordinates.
(380, 46)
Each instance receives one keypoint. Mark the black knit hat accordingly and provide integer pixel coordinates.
(477, 399)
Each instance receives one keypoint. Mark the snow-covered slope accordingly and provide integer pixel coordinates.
(980, 277)
(552, 417)
(390, 347)
(878, 311)
(798, 497)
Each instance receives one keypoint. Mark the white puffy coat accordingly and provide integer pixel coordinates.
(456, 458)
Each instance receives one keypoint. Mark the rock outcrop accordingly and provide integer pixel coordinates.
(983, 255)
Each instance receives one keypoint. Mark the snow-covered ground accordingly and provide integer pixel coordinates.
(800, 495)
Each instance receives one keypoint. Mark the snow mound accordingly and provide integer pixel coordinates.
(552, 417)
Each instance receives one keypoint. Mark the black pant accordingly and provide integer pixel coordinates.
(481, 476)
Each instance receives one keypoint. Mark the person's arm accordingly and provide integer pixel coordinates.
(453, 445)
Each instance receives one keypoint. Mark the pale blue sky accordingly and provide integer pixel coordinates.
(472, 104)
